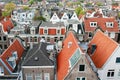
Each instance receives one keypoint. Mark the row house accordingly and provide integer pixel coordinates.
(104, 56)
(71, 24)
(23, 17)
(52, 32)
(108, 25)
(72, 63)
(10, 60)
(37, 64)
(5, 26)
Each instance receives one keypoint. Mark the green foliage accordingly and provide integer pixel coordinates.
(5, 13)
(31, 2)
(26, 8)
(37, 18)
(88, 4)
(79, 11)
(9, 7)
(115, 4)
(119, 14)
(99, 4)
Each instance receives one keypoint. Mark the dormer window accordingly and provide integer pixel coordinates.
(93, 24)
(109, 24)
(12, 62)
(14, 54)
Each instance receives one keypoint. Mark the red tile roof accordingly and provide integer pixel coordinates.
(6, 25)
(64, 56)
(105, 48)
(15, 46)
(101, 22)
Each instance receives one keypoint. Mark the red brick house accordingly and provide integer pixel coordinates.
(107, 25)
(52, 32)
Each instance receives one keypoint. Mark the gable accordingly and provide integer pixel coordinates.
(55, 18)
(64, 17)
(74, 16)
(102, 52)
(81, 69)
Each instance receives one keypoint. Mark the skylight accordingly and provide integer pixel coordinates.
(75, 57)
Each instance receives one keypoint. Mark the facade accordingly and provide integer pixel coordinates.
(72, 62)
(37, 64)
(5, 26)
(10, 58)
(52, 32)
(105, 59)
(107, 25)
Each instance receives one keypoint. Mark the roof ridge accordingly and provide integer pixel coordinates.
(32, 54)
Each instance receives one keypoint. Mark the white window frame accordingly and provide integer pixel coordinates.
(46, 75)
(29, 75)
(79, 67)
(112, 35)
(38, 75)
(108, 24)
(110, 75)
(93, 24)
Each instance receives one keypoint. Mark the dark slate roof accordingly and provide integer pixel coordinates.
(38, 56)
(50, 24)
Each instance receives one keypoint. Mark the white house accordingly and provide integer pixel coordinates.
(54, 18)
(64, 18)
(105, 55)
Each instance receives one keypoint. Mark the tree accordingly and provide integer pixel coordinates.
(31, 2)
(26, 8)
(99, 4)
(9, 7)
(79, 11)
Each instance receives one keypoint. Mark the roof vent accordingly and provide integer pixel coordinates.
(36, 58)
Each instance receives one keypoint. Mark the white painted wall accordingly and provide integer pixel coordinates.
(111, 64)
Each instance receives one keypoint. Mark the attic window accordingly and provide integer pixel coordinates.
(93, 24)
(118, 60)
(75, 57)
(109, 24)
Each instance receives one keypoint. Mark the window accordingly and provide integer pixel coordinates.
(1, 46)
(90, 34)
(109, 24)
(110, 73)
(48, 39)
(81, 78)
(75, 57)
(46, 76)
(35, 39)
(14, 54)
(5, 46)
(81, 67)
(58, 31)
(118, 60)
(4, 38)
(93, 24)
(38, 76)
(45, 31)
(29, 76)
(0, 38)
(1, 70)
(12, 62)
